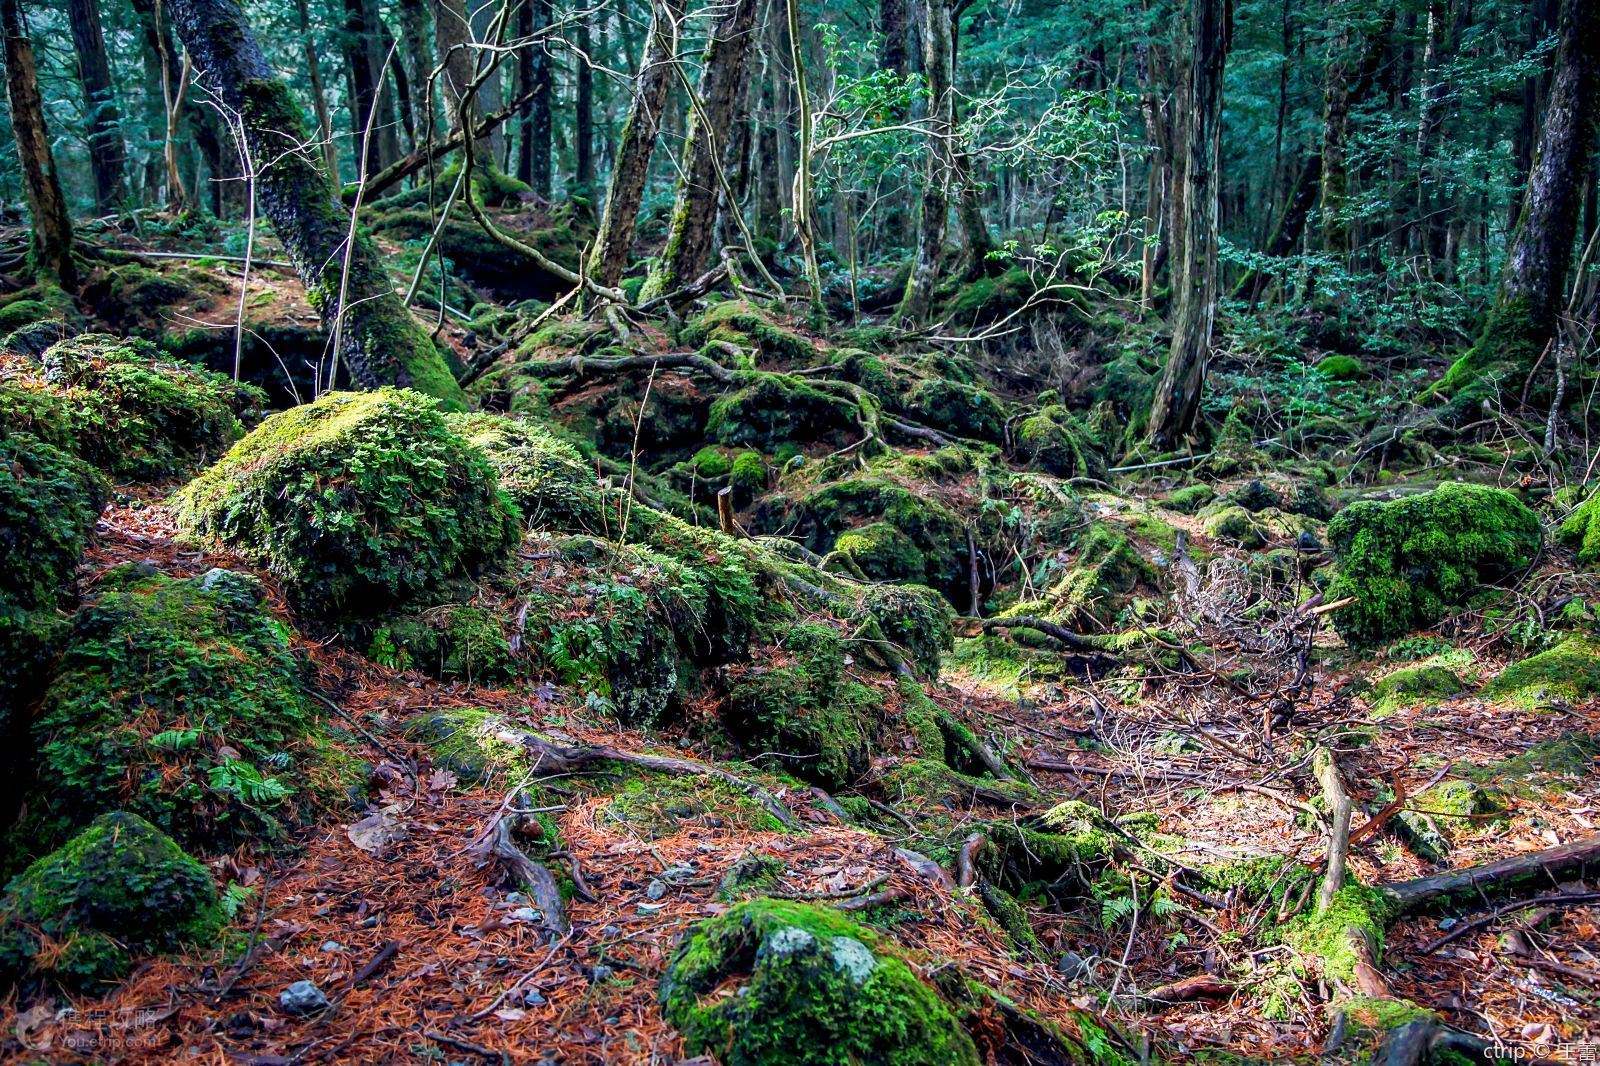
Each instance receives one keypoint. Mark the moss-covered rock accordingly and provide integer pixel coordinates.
(767, 410)
(131, 411)
(1056, 441)
(1341, 368)
(915, 619)
(1437, 817)
(544, 475)
(1406, 562)
(1566, 673)
(881, 552)
(118, 891)
(181, 701)
(812, 987)
(801, 704)
(453, 642)
(1070, 841)
(1581, 530)
(49, 501)
(359, 502)
(1190, 498)
(478, 745)
(743, 323)
(1235, 525)
(1106, 570)
(1427, 682)
(957, 408)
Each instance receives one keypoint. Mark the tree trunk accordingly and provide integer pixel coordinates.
(583, 111)
(417, 55)
(1523, 319)
(167, 76)
(108, 158)
(379, 342)
(452, 37)
(977, 244)
(1194, 222)
(1541, 20)
(1431, 215)
(47, 207)
(488, 97)
(539, 128)
(319, 95)
(638, 141)
(918, 299)
(370, 99)
(524, 32)
(694, 214)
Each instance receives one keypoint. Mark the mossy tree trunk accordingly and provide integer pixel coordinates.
(379, 342)
(47, 207)
(936, 58)
(636, 144)
(108, 156)
(539, 134)
(694, 214)
(1194, 222)
(452, 38)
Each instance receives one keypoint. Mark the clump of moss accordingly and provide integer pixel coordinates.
(1341, 368)
(1427, 682)
(752, 875)
(813, 987)
(1356, 909)
(1056, 441)
(957, 408)
(136, 414)
(1234, 524)
(1566, 673)
(1190, 498)
(1107, 570)
(747, 476)
(49, 501)
(457, 642)
(1439, 816)
(120, 890)
(1406, 562)
(880, 551)
(1581, 530)
(915, 619)
(1069, 841)
(181, 701)
(477, 745)
(544, 476)
(804, 706)
(989, 298)
(655, 806)
(768, 409)
(741, 322)
(359, 502)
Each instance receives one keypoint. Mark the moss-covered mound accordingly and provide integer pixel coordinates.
(1106, 570)
(768, 410)
(748, 326)
(359, 502)
(1427, 682)
(1055, 441)
(1581, 530)
(801, 704)
(957, 408)
(811, 987)
(120, 890)
(1566, 673)
(138, 414)
(1406, 562)
(179, 700)
(544, 476)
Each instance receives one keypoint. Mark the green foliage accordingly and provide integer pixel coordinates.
(456, 642)
(813, 987)
(181, 701)
(121, 889)
(1406, 562)
(1427, 682)
(1581, 530)
(544, 476)
(742, 323)
(358, 502)
(769, 409)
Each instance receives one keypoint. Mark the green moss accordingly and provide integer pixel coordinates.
(956, 408)
(711, 463)
(915, 619)
(120, 890)
(1234, 524)
(1107, 568)
(769, 409)
(476, 744)
(881, 552)
(656, 806)
(989, 298)
(1438, 817)
(359, 502)
(1510, 341)
(544, 476)
(1071, 838)
(49, 502)
(752, 875)
(748, 475)
(1341, 368)
(813, 987)
(1190, 498)
(1056, 441)
(1406, 562)
(1325, 937)
(1567, 673)
(181, 701)
(1581, 530)
(744, 324)
(134, 413)
(1427, 682)
(458, 642)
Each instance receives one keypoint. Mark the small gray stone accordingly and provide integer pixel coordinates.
(656, 889)
(532, 998)
(332, 946)
(852, 958)
(526, 914)
(601, 972)
(790, 940)
(1072, 965)
(302, 997)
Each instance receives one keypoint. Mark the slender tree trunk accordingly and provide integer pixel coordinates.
(108, 157)
(803, 202)
(417, 56)
(166, 77)
(524, 31)
(488, 97)
(47, 207)
(319, 95)
(583, 111)
(975, 238)
(694, 212)
(370, 96)
(1431, 216)
(1157, 114)
(345, 280)
(1523, 319)
(540, 109)
(1194, 222)
(1541, 20)
(918, 298)
(452, 37)
(638, 141)
(894, 57)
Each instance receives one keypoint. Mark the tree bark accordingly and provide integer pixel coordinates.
(694, 212)
(319, 95)
(583, 111)
(1194, 222)
(1432, 220)
(379, 342)
(417, 55)
(370, 98)
(452, 37)
(918, 299)
(1344, 90)
(47, 207)
(108, 157)
(539, 129)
